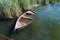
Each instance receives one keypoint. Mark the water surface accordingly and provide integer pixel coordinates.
(46, 25)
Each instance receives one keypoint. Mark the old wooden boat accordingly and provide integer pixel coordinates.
(24, 20)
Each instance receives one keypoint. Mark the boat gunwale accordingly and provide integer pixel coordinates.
(20, 18)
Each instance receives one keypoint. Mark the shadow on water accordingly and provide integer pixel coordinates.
(10, 31)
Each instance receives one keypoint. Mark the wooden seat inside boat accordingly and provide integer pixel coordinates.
(23, 23)
(25, 20)
(26, 17)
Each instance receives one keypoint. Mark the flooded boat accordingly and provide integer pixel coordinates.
(24, 20)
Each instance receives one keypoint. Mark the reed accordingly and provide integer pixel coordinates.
(47, 2)
(13, 8)
(32, 2)
(26, 4)
(58, 1)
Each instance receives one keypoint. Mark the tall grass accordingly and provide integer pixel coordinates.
(32, 2)
(26, 4)
(47, 2)
(13, 8)
(10, 7)
(55, 1)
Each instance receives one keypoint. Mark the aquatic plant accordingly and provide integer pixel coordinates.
(26, 4)
(32, 2)
(13, 8)
(46, 1)
(10, 7)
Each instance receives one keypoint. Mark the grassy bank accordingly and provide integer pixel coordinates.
(13, 8)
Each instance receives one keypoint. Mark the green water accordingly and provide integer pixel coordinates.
(46, 25)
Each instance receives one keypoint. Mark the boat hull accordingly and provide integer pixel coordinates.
(24, 20)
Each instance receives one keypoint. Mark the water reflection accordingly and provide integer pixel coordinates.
(46, 25)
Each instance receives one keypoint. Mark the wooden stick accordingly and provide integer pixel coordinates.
(4, 37)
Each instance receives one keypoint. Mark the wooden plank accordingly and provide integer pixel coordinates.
(4, 37)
